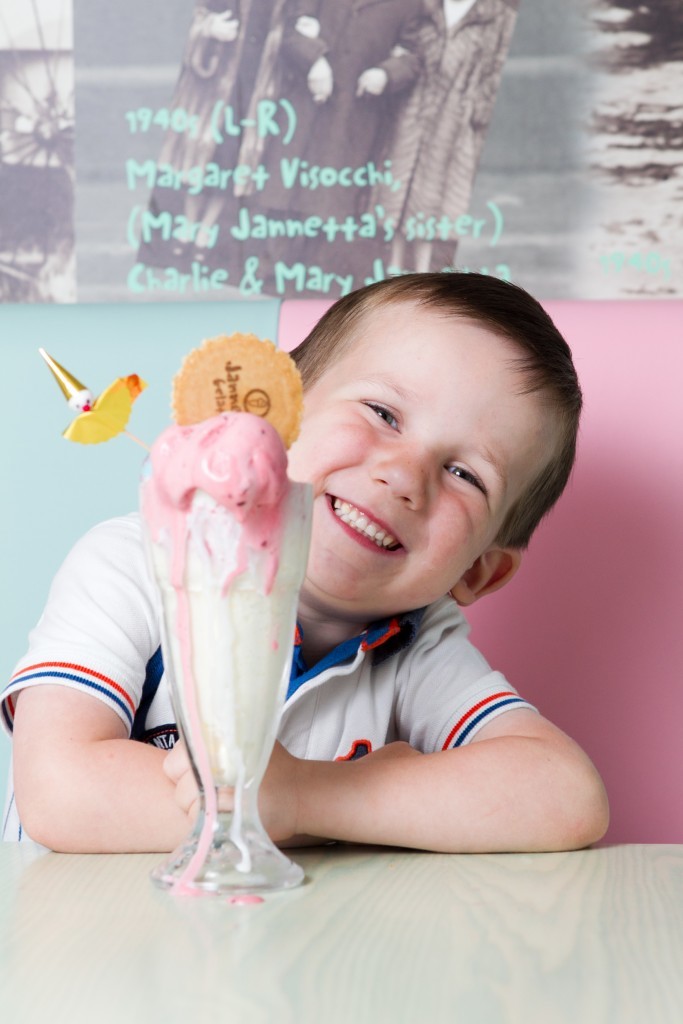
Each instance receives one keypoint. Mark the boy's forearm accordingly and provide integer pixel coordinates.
(108, 796)
(511, 793)
(81, 786)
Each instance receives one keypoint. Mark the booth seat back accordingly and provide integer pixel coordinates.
(589, 630)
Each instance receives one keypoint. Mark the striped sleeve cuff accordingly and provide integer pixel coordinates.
(79, 677)
(481, 712)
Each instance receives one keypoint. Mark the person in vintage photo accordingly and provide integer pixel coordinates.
(342, 67)
(229, 57)
(438, 137)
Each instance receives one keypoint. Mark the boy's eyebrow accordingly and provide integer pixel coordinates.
(492, 459)
(404, 393)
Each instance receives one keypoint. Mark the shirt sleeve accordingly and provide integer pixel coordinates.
(100, 625)
(403, 64)
(446, 689)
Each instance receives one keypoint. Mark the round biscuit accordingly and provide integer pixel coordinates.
(239, 373)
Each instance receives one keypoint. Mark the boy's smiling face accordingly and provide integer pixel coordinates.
(417, 432)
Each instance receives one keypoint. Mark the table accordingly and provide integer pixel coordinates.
(373, 935)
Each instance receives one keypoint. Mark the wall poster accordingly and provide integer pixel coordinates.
(37, 226)
(213, 149)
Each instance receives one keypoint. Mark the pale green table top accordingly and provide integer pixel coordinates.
(373, 935)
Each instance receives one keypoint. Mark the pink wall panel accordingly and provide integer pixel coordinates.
(591, 629)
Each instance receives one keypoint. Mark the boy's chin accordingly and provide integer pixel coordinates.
(349, 606)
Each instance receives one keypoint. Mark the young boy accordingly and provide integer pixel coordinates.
(440, 424)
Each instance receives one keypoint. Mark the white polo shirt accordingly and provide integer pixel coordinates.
(415, 677)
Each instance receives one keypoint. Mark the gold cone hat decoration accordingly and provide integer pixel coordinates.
(99, 418)
(77, 395)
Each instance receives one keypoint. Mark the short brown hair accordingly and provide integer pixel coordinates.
(508, 311)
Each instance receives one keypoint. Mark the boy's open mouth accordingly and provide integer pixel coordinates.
(362, 524)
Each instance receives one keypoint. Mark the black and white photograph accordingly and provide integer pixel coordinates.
(37, 253)
(635, 148)
(311, 147)
(303, 148)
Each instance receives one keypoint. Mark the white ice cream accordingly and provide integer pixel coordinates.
(228, 538)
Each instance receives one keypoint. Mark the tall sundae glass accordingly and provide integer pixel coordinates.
(226, 535)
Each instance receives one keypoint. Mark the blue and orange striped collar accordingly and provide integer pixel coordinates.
(384, 638)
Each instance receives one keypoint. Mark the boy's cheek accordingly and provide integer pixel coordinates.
(301, 456)
(325, 446)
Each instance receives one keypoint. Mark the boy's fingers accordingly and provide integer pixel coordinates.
(176, 762)
(187, 794)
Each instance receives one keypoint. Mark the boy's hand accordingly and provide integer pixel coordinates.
(278, 801)
(178, 769)
(280, 791)
(279, 795)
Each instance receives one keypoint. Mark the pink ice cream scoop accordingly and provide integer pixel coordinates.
(238, 460)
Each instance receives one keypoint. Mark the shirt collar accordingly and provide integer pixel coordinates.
(384, 638)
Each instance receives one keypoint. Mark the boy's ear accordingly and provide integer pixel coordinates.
(490, 572)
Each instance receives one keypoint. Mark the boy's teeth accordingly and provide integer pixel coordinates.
(360, 522)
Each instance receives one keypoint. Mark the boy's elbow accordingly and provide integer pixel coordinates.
(49, 801)
(39, 829)
(583, 815)
(597, 815)
(590, 827)
(42, 818)
(572, 809)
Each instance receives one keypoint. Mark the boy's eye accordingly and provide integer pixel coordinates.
(383, 413)
(465, 474)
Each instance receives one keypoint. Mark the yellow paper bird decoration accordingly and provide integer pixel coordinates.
(107, 415)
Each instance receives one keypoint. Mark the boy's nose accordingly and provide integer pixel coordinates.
(404, 471)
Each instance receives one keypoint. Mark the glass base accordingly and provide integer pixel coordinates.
(228, 861)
